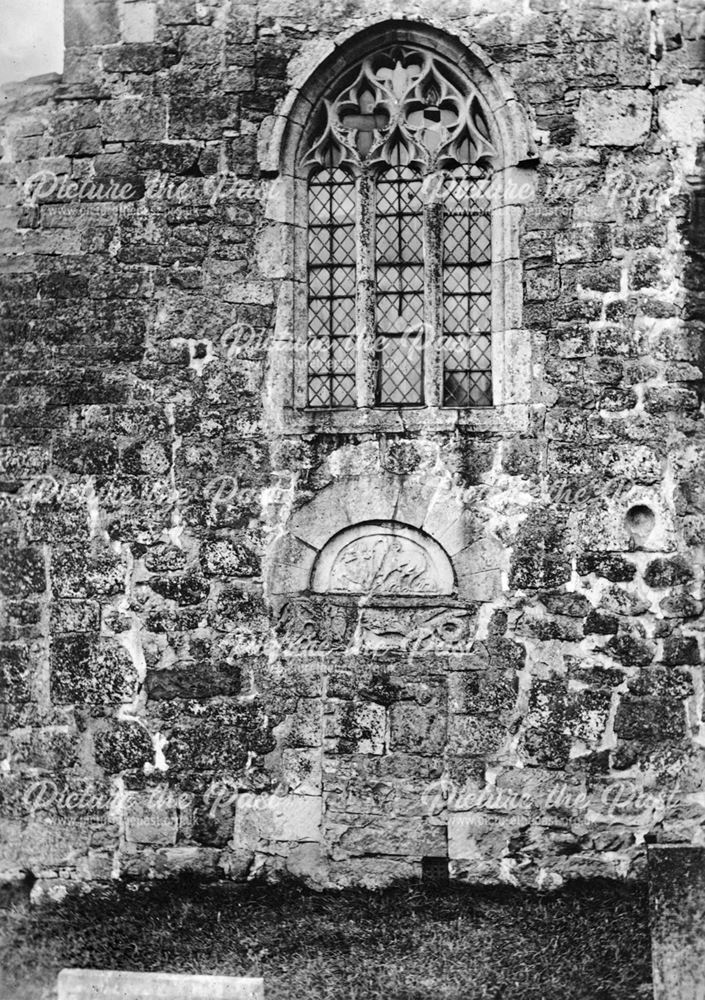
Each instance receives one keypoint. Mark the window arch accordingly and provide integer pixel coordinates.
(355, 168)
(399, 251)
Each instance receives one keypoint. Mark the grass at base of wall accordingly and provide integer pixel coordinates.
(588, 941)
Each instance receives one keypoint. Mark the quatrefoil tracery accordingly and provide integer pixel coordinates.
(403, 107)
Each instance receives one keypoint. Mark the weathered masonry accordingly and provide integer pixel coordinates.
(353, 498)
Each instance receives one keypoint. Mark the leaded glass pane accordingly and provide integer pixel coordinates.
(401, 371)
(400, 287)
(343, 390)
(467, 307)
(331, 289)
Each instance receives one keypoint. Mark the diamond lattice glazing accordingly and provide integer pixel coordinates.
(400, 288)
(467, 317)
(331, 289)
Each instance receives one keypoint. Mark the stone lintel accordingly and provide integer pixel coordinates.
(108, 984)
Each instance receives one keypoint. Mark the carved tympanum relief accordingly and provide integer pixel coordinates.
(382, 564)
(383, 559)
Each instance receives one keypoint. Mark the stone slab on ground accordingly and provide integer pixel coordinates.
(108, 984)
(677, 919)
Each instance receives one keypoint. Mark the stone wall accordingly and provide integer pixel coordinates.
(180, 688)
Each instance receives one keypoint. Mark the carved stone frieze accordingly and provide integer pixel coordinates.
(417, 630)
(318, 628)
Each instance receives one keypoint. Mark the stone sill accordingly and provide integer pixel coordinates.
(508, 418)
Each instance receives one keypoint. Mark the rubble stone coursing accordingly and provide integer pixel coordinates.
(175, 695)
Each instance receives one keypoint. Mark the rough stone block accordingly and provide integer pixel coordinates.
(649, 718)
(489, 693)
(295, 818)
(357, 727)
(205, 118)
(188, 680)
(138, 57)
(125, 745)
(225, 558)
(662, 573)
(677, 921)
(404, 836)
(377, 498)
(584, 243)
(132, 118)
(486, 555)
(454, 534)
(324, 516)
(150, 817)
(218, 738)
(139, 21)
(417, 728)
(88, 671)
(475, 736)
(681, 650)
(90, 22)
(614, 117)
(76, 576)
(301, 771)
(483, 587)
(542, 283)
(36, 843)
(22, 572)
(681, 117)
(477, 834)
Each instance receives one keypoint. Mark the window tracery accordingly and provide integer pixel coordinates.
(399, 254)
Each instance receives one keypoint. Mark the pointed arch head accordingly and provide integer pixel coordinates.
(464, 66)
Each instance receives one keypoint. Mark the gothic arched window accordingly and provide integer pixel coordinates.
(398, 156)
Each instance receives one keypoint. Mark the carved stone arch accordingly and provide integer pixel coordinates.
(383, 558)
(433, 507)
(283, 243)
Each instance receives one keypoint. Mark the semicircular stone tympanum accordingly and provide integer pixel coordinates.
(382, 558)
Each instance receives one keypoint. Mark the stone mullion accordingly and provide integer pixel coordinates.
(433, 302)
(365, 304)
